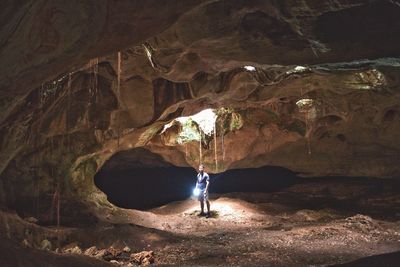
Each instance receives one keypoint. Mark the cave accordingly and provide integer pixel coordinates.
(111, 112)
(137, 184)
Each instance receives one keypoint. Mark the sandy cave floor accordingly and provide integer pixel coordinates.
(315, 223)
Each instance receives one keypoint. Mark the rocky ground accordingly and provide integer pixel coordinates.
(317, 222)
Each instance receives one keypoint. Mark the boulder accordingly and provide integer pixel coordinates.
(143, 258)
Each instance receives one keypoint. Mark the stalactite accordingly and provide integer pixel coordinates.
(37, 196)
(200, 152)
(96, 82)
(86, 115)
(90, 87)
(55, 204)
(308, 133)
(118, 94)
(222, 142)
(68, 110)
(58, 202)
(40, 115)
(118, 75)
(35, 177)
(215, 146)
(35, 174)
(54, 195)
(58, 217)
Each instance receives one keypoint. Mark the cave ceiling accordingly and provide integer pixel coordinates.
(314, 84)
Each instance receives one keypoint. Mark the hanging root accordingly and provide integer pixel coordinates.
(215, 146)
(200, 150)
(118, 94)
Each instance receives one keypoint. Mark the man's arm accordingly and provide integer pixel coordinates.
(207, 183)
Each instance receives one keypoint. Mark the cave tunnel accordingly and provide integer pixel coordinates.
(130, 183)
(140, 179)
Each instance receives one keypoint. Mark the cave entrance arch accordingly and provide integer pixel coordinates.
(140, 179)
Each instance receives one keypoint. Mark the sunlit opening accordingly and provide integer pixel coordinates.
(249, 68)
(305, 103)
(298, 69)
(204, 124)
(205, 120)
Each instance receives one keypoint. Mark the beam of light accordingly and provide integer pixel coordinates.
(196, 192)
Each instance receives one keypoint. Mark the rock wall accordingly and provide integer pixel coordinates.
(80, 81)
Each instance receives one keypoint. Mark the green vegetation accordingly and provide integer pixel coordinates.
(202, 125)
(236, 122)
(190, 132)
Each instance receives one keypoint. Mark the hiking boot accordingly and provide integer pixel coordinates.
(202, 213)
(208, 215)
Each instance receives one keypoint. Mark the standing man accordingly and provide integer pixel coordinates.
(203, 182)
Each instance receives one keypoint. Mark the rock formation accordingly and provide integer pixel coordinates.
(314, 84)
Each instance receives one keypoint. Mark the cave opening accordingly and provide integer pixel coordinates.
(140, 179)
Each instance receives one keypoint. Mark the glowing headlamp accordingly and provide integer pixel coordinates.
(196, 192)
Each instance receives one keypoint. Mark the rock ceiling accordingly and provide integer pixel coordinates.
(81, 81)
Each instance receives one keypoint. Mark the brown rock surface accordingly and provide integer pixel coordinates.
(67, 103)
(143, 258)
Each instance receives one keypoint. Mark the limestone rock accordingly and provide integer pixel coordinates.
(143, 258)
(74, 250)
(45, 245)
(100, 253)
(307, 97)
(111, 254)
(91, 251)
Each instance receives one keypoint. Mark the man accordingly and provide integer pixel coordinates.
(203, 182)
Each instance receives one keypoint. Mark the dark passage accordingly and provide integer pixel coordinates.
(139, 179)
(145, 188)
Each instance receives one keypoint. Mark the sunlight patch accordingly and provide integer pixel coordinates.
(205, 120)
(249, 68)
(298, 69)
(305, 103)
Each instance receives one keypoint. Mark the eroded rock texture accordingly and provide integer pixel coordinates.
(80, 81)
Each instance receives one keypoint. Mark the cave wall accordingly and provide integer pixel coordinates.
(77, 89)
